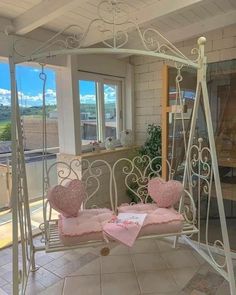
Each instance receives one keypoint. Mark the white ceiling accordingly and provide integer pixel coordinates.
(178, 19)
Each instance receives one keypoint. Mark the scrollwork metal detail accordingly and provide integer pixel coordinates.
(201, 180)
(137, 173)
(114, 26)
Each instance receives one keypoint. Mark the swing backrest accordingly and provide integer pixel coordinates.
(109, 185)
(96, 177)
(135, 174)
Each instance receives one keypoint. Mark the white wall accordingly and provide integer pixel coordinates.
(220, 46)
(103, 64)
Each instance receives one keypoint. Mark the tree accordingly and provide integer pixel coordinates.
(6, 134)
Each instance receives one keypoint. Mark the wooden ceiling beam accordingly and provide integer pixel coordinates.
(41, 14)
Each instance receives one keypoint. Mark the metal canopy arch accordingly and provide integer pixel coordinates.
(112, 17)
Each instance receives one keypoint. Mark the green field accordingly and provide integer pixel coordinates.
(2, 125)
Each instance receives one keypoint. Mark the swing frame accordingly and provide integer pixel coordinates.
(76, 45)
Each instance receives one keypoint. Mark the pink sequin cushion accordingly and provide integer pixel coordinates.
(67, 199)
(165, 194)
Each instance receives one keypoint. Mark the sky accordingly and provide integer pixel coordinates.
(30, 87)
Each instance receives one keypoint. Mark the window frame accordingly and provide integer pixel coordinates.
(100, 81)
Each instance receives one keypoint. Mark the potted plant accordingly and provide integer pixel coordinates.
(151, 148)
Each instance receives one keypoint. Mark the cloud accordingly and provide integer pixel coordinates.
(5, 97)
(88, 99)
(27, 100)
(36, 70)
(109, 96)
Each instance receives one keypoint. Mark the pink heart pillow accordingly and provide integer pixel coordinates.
(165, 194)
(67, 199)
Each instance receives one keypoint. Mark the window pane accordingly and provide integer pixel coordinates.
(110, 105)
(88, 111)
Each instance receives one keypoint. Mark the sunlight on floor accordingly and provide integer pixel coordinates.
(36, 211)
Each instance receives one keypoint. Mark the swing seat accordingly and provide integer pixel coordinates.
(87, 226)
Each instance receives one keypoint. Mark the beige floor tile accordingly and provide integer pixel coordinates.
(196, 292)
(119, 250)
(147, 262)
(34, 287)
(7, 288)
(120, 284)
(223, 289)
(157, 281)
(91, 268)
(199, 258)
(2, 282)
(144, 246)
(183, 275)
(116, 264)
(82, 285)
(167, 246)
(180, 259)
(55, 289)
(2, 292)
(163, 293)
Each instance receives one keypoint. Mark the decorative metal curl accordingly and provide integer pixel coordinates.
(114, 23)
(196, 51)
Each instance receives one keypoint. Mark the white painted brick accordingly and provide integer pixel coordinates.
(146, 94)
(223, 43)
(213, 35)
(140, 120)
(158, 93)
(147, 102)
(229, 31)
(209, 46)
(156, 66)
(154, 84)
(147, 76)
(141, 128)
(213, 56)
(148, 110)
(137, 78)
(141, 68)
(138, 60)
(141, 86)
(229, 53)
(140, 137)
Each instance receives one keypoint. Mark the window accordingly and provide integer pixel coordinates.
(30, 101)
(100, 108)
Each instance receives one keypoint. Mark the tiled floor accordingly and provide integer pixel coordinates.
(151, 267)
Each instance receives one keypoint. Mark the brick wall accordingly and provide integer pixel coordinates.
(221, 45)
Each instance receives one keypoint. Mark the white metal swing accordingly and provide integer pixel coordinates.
(197, 156)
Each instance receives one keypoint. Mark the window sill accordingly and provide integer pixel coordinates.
(104, 152)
